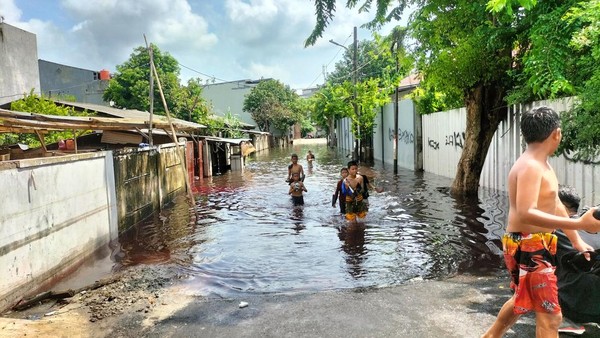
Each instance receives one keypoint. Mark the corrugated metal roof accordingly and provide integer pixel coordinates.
(128, 113)
(20, 122)
(236, 141)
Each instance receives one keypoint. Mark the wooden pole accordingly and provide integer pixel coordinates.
(151, 95)
(174, 137)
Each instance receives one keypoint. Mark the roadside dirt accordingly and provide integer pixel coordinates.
(148, 290)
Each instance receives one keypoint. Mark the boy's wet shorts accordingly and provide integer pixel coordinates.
(356, 207)
(530, 259)
(297, 200)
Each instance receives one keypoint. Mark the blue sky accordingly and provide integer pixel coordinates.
(222, 39)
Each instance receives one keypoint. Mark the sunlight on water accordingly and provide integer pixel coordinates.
(249, 238)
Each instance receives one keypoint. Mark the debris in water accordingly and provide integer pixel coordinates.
(243, 305)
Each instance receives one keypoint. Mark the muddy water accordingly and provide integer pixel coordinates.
(249, 237)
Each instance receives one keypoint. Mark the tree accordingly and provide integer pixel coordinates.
(381, 64)
(40, 105)
(563, 60)
(192, 106)
(129, 88)
(273, 105)
(329, 104)
(466, 55)
(582, 124)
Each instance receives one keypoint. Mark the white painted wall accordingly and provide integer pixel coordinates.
(383, 149)
(442, 137)
(49, 220)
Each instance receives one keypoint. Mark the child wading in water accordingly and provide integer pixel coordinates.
(295, 168)
(310, 157)
(353, 189)
(296, 189)
(339, 195)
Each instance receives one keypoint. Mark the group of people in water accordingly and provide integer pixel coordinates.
(352, 190)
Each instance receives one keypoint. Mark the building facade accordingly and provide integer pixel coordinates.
(19, 73)
(61, 82)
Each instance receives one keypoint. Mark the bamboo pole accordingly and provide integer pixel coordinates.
(174, 137)
(151, 98)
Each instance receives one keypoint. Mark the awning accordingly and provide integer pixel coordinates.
(20, 122)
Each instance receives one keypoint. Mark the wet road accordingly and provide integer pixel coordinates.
(250, 239)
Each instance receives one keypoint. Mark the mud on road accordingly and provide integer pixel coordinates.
(141, 289)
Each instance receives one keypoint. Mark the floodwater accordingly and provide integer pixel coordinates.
(248, 237)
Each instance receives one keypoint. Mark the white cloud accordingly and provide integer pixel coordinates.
(230, 40)
(10, 11)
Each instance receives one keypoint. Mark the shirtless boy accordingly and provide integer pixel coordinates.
(529, 243)
(296, 189)
(353, 189)
(295, 168)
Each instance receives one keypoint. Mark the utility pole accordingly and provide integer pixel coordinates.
(395, 144)
(355, 104)
(356, 154)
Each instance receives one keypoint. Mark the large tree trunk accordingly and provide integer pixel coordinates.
(485, 111)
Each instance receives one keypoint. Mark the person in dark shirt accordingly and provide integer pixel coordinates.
(578, 278)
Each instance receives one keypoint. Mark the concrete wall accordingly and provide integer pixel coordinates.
(57, 211)
(145, 180)
(19, 72)
(58, 80)
(49, 221)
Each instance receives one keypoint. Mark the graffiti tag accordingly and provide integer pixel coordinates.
(433, 144)
(456, 139)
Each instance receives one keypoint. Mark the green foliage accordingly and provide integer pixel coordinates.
(233, 126)
(214, 125)
(381, 64)
(306, 127)
(273, 104)
(192, 106)
(39, 105)
(368, 97)
(581, 126)
(331, 103)
(508, 5)
(129, 88)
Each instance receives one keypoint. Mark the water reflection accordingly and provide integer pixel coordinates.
(249, 237)
(353, 244)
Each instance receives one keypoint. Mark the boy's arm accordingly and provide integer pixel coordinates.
(573, 235)
(529, 182)
(304, 187)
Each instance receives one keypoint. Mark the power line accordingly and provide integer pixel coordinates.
(333, 58)
(199, 72)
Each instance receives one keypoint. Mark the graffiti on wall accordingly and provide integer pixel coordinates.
(404, 136)
(433, 144)
(456, 139)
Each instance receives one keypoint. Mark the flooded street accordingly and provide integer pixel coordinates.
(250, 239)
(175, 275)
